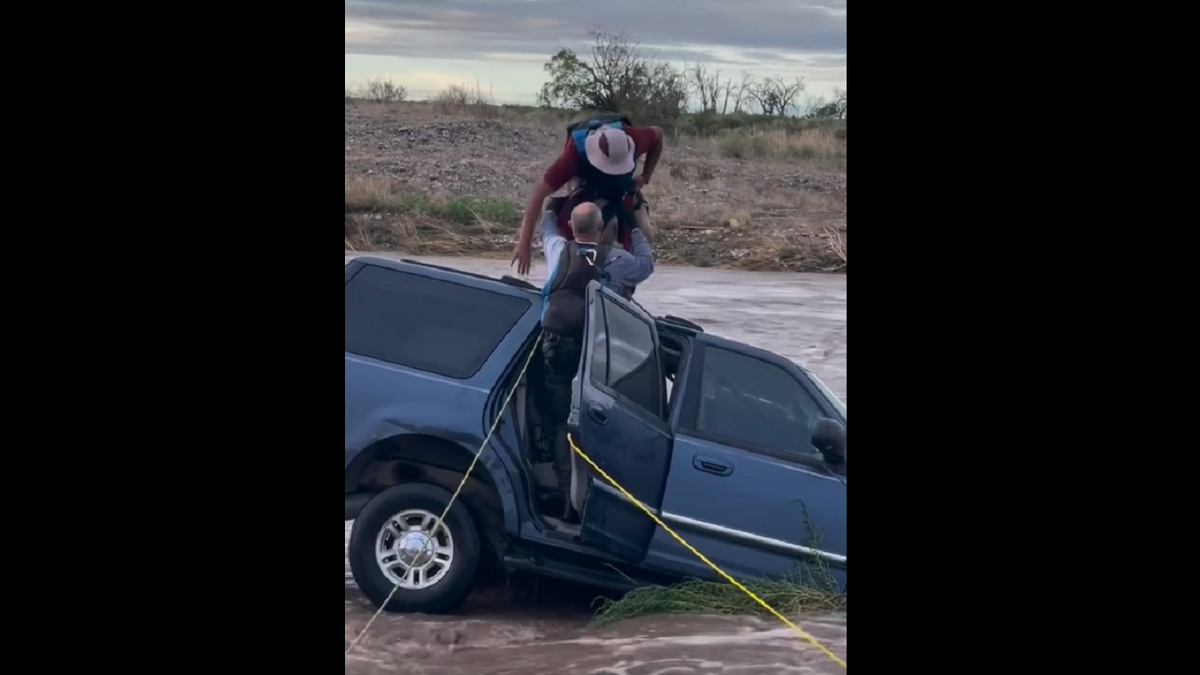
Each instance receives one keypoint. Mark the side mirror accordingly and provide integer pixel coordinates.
(829, 436)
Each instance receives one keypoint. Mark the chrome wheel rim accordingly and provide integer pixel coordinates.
(410, 553)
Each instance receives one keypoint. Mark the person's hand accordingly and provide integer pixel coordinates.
(639, 182)
(521, 254)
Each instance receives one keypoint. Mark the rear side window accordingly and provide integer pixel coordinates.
(435, 326)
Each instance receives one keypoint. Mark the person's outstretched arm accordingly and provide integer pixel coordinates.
(634, 267)
(653, 154)
(552, 241)
(648, 143)
(564, 169)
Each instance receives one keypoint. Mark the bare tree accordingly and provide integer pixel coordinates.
(598, 82)
(616, 75)
(823, 108)
(706, 86)
(776, 96)
(737, 93)
(839, 102)
(665, 96)
(813, 105)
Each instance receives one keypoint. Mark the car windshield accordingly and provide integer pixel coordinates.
(833, 399)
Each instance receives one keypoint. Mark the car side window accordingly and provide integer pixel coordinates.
(423, 323)
(625, 360)
(599, 350)
(749, 401)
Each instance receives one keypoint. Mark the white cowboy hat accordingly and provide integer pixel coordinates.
(610, 151)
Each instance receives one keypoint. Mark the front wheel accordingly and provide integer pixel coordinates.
(393, 545)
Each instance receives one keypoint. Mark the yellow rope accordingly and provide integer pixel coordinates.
(438, 523)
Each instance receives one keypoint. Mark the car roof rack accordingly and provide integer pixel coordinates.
(681, 322)
(506, 280)
(525, 285)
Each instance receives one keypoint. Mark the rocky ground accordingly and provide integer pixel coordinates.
(431, 182)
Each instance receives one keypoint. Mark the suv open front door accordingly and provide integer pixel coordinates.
(617, 409)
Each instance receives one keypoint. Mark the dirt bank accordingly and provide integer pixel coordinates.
(438, 184)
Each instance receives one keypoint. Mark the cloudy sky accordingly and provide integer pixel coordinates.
(502, 44)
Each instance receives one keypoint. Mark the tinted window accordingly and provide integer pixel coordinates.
(436, 326)
(600, 350)
(754, 402)
(630, 358)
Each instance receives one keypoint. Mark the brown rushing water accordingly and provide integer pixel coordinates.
(801, 316)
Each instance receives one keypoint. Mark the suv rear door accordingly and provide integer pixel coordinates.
(746, 485)
(617, 410)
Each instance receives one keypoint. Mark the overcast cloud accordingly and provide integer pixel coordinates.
(805, 37)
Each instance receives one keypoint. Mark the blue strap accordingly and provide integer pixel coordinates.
(579, 136)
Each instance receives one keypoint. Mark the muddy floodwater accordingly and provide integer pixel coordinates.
(801, 316)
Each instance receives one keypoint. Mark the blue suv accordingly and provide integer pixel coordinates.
(739, 450)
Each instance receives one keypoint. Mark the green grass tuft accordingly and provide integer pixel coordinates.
(811, 589)
(462, 210)
(706, 597)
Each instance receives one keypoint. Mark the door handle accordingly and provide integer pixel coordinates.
(713, 465)
(597, 414)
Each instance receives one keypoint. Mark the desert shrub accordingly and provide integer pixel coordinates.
(461, 99)
(384, 91)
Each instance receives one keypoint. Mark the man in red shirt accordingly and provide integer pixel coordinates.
(602, 153)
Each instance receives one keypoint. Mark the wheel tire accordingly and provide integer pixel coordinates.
(372, 581)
